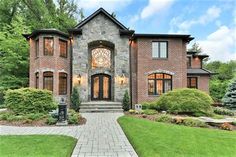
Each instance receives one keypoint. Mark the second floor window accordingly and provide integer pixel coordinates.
(48, 81)
(48, 46)
(159, 49)
(37, 48)
(188, 62)
(192, 82)
(63, 48)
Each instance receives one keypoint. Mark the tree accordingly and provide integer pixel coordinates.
(126, 101)
(229, 100)
(75, 99)
(196, 47)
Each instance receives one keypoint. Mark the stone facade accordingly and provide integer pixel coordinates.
(101, 29)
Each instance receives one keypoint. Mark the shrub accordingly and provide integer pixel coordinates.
(226, 126)
(229, 100)
(73, 117)
(29, 100)
(193, 122)
(75, 99)
(35, 116)
(178, 120)
(126, 101)
(223, 111)
(131, 111)
(51, 121)
(164, 118)
(149, 105)
(189, 101)
(149, 112)
(234, 123)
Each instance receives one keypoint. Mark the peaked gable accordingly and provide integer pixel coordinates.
(101, 11)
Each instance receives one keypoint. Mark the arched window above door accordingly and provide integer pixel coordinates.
(101, 58)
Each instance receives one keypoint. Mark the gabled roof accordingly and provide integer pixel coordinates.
(99, 11)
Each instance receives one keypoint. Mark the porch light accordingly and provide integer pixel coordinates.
(122, 79)
(79, 79)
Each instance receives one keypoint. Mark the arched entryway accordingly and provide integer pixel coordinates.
(101, 87)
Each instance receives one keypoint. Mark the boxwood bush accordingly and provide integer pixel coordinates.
(185, 100)
(29, 100)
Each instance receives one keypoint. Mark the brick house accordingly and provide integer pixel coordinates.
(103, 58)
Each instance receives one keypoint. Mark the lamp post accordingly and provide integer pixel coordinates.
(62, 113)
(79, 79)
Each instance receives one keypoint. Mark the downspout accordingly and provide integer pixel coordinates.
(71, 67)
(130, 75)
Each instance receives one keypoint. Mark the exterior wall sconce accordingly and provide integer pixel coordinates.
(79, 79)
(122, 79)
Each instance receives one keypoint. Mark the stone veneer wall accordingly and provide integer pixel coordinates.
(100, 28)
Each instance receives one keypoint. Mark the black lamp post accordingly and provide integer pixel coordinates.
(62, 113)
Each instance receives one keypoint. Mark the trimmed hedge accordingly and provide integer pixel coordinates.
(185, 100)
(29, 100)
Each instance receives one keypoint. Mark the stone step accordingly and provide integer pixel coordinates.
(100, 110)
(101, 103)
(100, 107)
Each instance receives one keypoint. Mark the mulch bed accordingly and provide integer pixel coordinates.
(38, 123)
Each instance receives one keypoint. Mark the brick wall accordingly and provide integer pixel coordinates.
(55, 64)
(196, 62)
(175, 63)
(203, 83)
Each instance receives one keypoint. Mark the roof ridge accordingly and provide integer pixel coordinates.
(100, 10)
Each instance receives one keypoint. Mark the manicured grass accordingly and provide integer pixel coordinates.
(36, 146)
(153, 139)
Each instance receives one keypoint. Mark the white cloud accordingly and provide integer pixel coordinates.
(155, 6)
(183, 26)
(110, 5)
(221, 44)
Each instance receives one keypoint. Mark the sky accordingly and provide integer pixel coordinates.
(211, 22)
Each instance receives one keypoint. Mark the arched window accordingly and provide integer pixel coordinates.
(62, 83)
(36, 80)
(159, 83)
(101, 58)
(48, 81)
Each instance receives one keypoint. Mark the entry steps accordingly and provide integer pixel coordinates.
(101, 106)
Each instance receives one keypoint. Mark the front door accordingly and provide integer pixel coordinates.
(101, 87)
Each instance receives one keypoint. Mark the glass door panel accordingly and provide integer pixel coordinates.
(96, 87)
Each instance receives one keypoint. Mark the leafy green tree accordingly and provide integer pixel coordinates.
(14, 55)
(75, 99)
(196, 47)
(229, 100)
(217, 89)
(126, 101)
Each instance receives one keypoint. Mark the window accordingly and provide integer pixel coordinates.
(48, 46)
(37, 80)
(63, 48)
(159, 83)
(62, 83)
(48, 81)
(189, 62)
(101, 58)
(192, 82)
(159, 49)
(37, 48)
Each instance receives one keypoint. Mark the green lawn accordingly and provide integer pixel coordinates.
(36, 146)
(153, 139)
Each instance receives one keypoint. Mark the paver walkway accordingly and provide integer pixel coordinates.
(101, 136)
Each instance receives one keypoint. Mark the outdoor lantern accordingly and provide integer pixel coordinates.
(79, 79)
(122, 79)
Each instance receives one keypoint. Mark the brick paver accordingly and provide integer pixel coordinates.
(101, 136)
